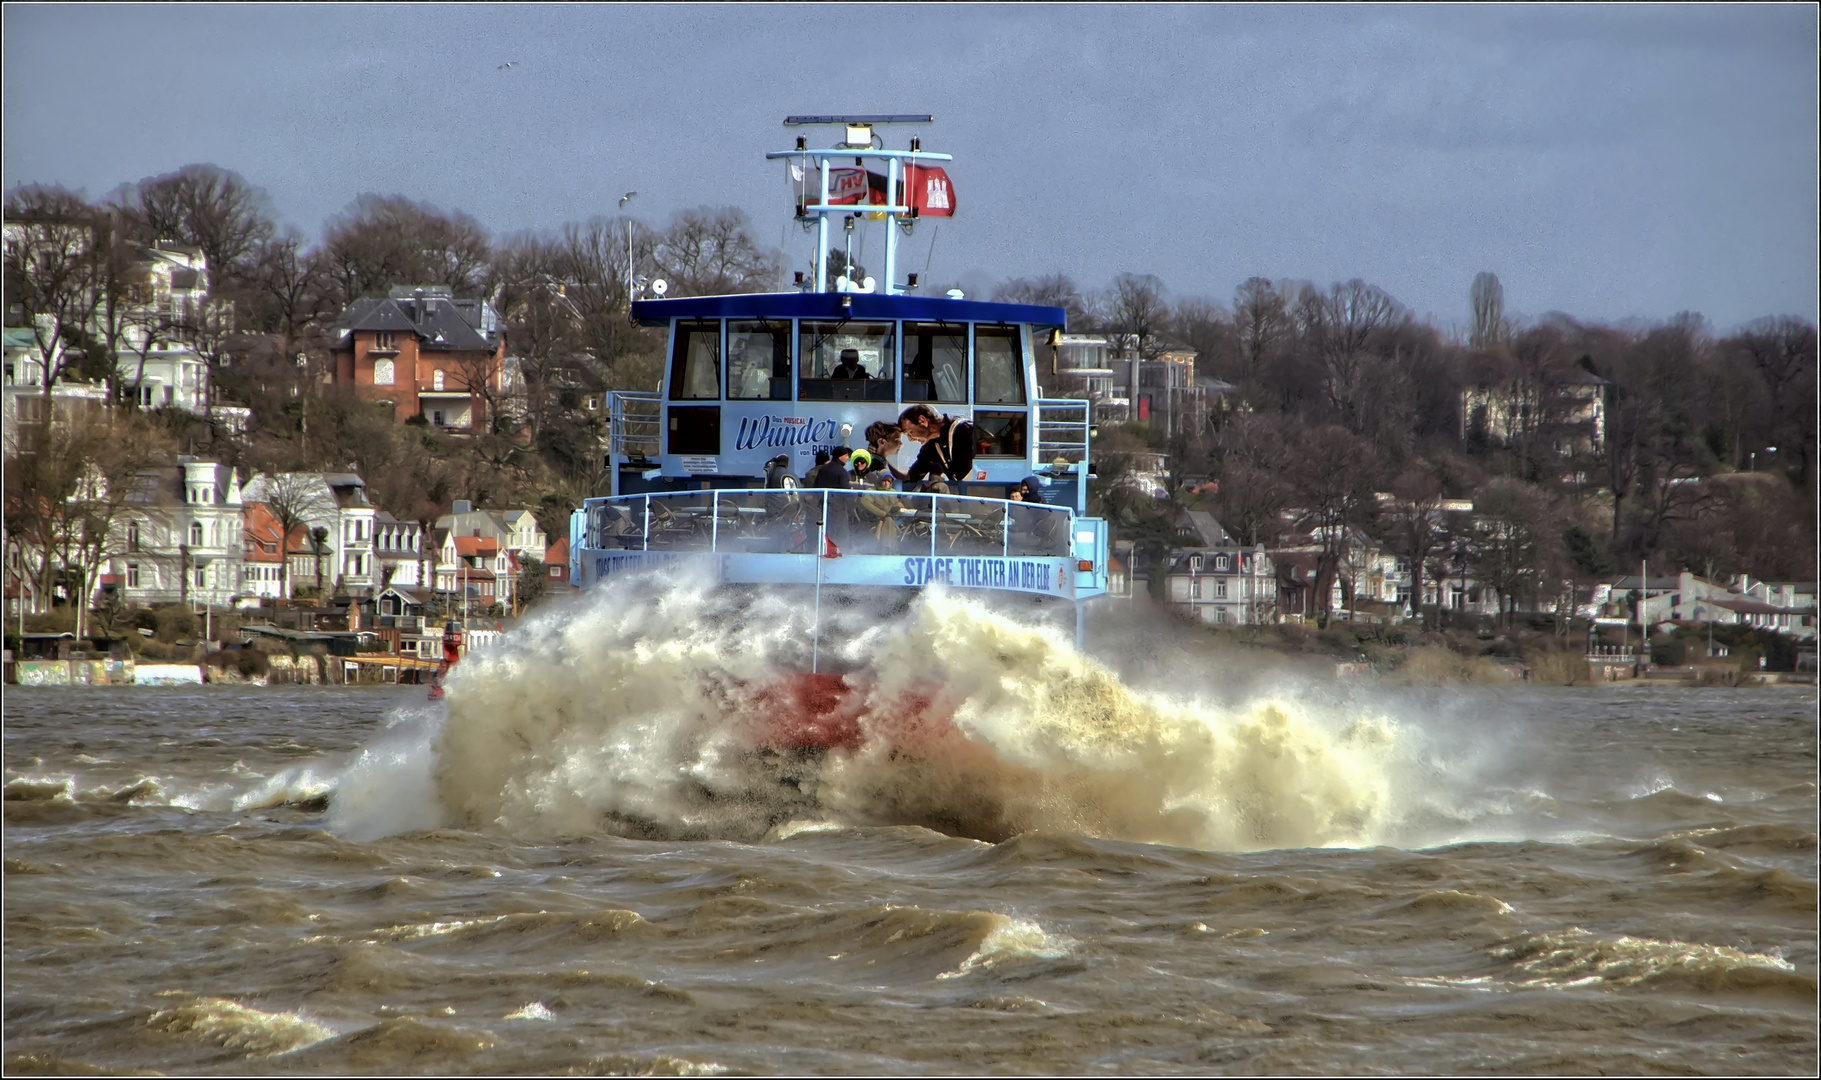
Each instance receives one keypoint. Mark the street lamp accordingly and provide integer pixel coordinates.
(624, 199)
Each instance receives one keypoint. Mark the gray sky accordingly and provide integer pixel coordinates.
(1607, 162)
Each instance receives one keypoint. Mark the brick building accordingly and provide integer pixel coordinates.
(426, 354)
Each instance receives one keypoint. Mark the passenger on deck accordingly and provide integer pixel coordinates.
(863, 465)
(948, 445)
(834, 473)
(1041, 526)
(883, 441)
(779, 477)
(849, 367)
(878, 511)
(783, 507)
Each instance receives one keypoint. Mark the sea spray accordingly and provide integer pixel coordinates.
(630, 713)
(1046, 738)
(621, 712)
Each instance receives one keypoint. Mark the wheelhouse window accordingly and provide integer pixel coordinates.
(847, 361)
(998, 366)
(935, 362)
(695, 370)
(758, 360)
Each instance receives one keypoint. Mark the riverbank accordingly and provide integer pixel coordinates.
(1456, 657)
(232, 667)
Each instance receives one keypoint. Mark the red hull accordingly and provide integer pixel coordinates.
(830, 712)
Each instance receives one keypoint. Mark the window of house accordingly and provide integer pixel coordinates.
(385, 340)
(202, 577)
(383, 373)
(758, 361)
(132, 575)
(1220, 589)
(998, 366)
(196, 533)
(436, 383)
(132, 536)
(1195, 562)
(935, 362)
(695, 373)
(1195, 588)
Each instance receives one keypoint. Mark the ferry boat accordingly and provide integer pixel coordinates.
(754, 377)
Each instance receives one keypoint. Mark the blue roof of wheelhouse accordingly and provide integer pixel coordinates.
(810, 305)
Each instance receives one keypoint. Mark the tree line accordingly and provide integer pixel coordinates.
(1584, 448)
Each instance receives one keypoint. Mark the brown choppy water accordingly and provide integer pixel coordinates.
(570, 872)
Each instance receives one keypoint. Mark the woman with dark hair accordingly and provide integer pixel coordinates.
(948, 444)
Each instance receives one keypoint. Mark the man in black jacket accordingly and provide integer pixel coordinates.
(948, 445)
(834, 474)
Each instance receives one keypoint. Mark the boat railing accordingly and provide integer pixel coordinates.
(796, 521)
(634, 423)
(1062, 429)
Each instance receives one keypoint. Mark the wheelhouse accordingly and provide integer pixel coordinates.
(751, 377)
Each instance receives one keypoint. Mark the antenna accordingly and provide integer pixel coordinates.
(870, 120)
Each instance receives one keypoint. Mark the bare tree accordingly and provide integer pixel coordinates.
(1261, 321)
(1136, 314)
(1782, 351)
(1340, 326)
(295, 499)
(1414, 527)
(1332, 476)
(1049, 290)
(204, 206)
(285, 291)
(1511, 534)
(68, 495)
(593, 264)
(1488, 298)
(1250, 459)
(58, 274)
(711, 253)
(382, 241)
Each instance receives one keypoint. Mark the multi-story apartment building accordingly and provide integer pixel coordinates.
(425, 354)
(181, 539)
(1221, 581)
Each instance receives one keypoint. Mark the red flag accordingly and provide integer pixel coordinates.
(832, 552)
(931, 194)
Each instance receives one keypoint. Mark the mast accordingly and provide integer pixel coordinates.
(858, 144)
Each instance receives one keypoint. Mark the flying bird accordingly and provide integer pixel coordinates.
(626, 198)
(507, 64)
